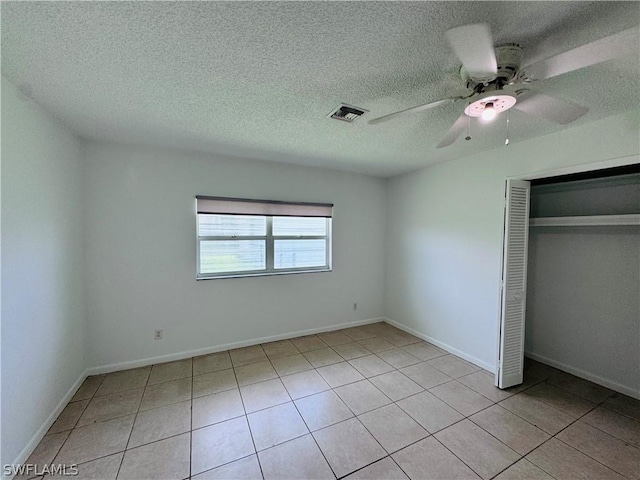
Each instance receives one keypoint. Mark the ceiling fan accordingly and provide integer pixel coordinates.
(495, 80)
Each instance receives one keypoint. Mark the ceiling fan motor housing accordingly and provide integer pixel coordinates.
(509, 61)
(509, 58)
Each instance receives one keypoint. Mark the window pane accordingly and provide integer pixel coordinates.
(300, 253)
(218, 256)
(228, 225)
(294, 226)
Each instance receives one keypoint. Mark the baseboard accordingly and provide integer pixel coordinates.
(490, 368)
(618, 387)
(35, 440)
(143, 362)
(42, 431)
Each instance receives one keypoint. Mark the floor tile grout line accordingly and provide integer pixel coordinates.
(399, 466)
(541, 381)
(246, 417)
(172, 402)
(451, 381)
(191, 358)
(119, 415)
(354, 415)
(57, 452)
(408, 445)
(367, 465)
(523, 419)
(133, 424)
(191, 421)
(589, 456)
(480, 393)
(309, 431)
(367, 411)
(512, 464)
(522, 455)
(314, 439)
(90, 400)
(564, 391)
(214, 354)
(106, 375)
(465, 417)
(454, 454)
(603, 405)
(557, 433)
(225, 464)
(288, 394)
(302, 353)
(303, 420)
(578, 450)
(520, 416)
(75, 425)
(135, 418)
(564, 388)
(374, 437)
(152, 442)
(608, 433)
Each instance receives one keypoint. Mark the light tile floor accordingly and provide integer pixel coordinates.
(368, 402)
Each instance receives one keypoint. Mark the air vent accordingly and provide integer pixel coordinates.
(347, 113)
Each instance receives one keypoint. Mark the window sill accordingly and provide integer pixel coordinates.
(263, 274)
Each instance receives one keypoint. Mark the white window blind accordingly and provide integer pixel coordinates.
(239, 206)
(238, 237)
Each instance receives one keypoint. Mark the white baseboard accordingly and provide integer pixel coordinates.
(618, 387)
(35, 440)
(143, 362)
(476, 361)
(42, 431)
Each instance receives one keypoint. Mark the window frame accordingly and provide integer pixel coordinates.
(269, 240)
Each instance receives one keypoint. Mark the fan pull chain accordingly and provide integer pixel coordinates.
(468, 137)
(506, 140)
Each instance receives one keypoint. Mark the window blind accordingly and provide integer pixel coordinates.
(239, 206)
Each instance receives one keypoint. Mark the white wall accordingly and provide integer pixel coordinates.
(141, 254)
(444, 230)
(619, 195)
(42, 273)
(583, 302)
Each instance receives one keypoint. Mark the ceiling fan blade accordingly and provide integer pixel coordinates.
(607, 48)
(419, 108)
(473, 45)
(454, 132)
(555, 109)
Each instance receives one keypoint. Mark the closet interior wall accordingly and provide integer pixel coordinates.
(583, 282)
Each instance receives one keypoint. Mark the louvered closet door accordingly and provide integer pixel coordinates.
(514, 285)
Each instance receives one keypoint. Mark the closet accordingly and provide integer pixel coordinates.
(583, 276)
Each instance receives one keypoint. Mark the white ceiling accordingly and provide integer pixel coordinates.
(257, 79)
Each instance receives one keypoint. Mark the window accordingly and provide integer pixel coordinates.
(238, 237)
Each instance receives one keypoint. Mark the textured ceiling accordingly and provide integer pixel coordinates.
(258, 79)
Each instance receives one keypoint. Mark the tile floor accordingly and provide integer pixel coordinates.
(368, 402)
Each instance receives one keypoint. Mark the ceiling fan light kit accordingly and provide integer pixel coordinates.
(489, 113)
(494, 78)
(491, 101)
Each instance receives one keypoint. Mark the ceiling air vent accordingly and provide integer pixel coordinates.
(347, 113)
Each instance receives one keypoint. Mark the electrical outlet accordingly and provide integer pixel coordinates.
(355, 306)
(158, 335)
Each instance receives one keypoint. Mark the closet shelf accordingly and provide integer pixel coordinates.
(585, 221)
